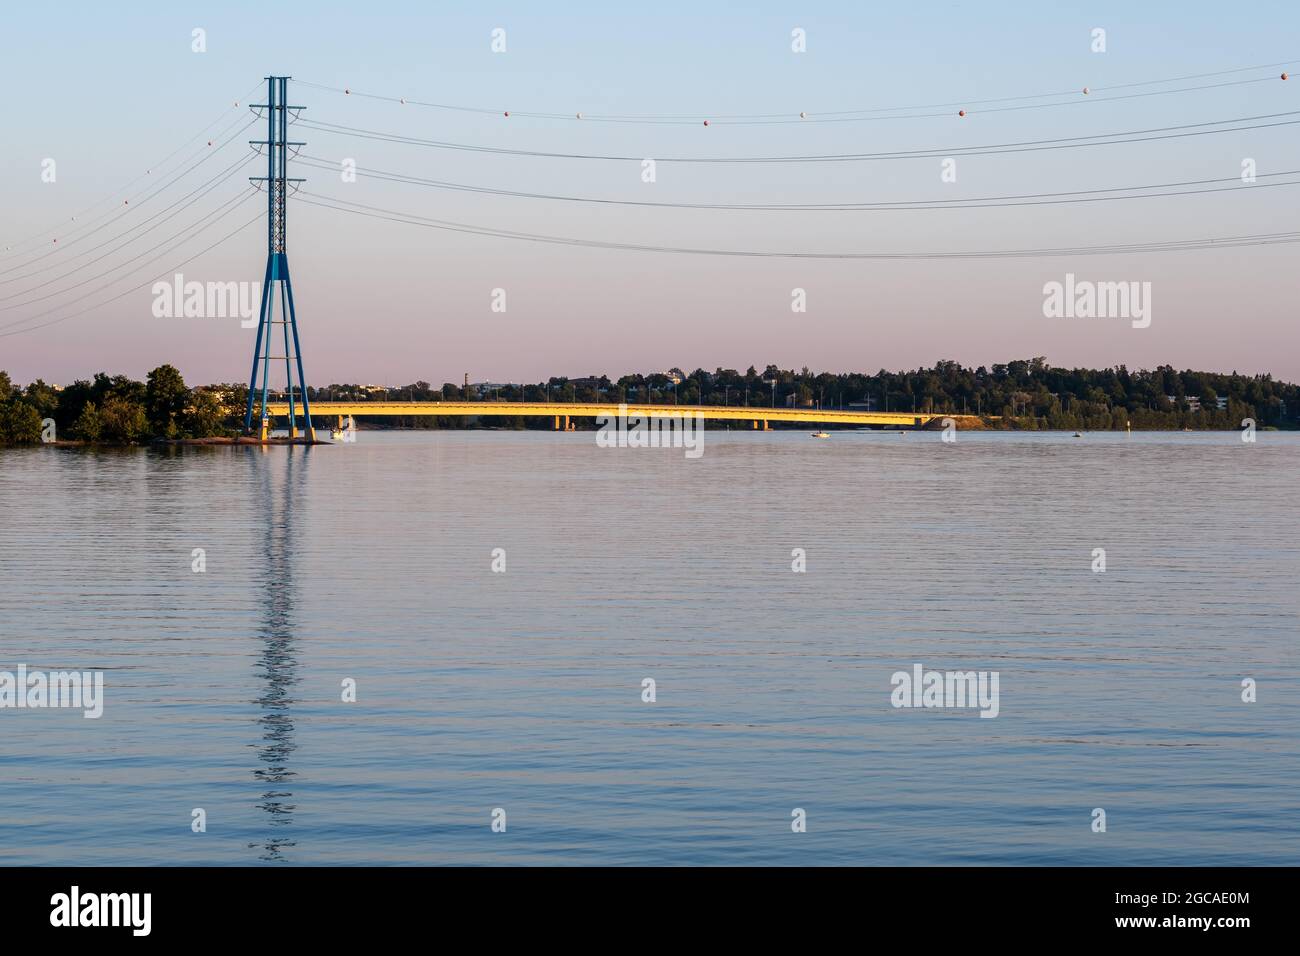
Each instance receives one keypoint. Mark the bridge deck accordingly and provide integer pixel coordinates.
(589, 409)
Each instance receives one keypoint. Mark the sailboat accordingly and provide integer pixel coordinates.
(341, 434)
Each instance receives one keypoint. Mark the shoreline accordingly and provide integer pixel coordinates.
(249, 441)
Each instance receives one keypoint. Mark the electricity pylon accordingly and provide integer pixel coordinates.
(277, 267)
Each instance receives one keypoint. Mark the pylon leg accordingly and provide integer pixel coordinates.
(257, 348)
(288, 370)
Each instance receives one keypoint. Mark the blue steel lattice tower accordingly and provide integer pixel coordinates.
(277, 270)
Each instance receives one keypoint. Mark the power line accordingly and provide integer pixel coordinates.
(1076, 100)
(71, 237)
(126, 208)
(371, 212)
(1193, 187)
(852, 115)
(12, 246)
(1024, 146)
(984, 202)
(173, 269)
(59, 278)
(203, 226)
(202, 190)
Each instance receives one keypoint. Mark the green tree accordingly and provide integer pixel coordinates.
(122, 420)
(42, 397)
(203, 417)
(165, 399)
(20, 424)
(88, 426)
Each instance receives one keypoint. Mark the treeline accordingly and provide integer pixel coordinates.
(1026, 393)
(119, 410)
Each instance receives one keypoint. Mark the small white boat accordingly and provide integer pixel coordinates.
(821, 435)
(347, 432)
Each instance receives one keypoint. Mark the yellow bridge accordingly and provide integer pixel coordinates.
(562, 413)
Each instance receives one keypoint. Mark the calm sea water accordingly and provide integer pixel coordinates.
(522, 690)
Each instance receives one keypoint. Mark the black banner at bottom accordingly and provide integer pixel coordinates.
(907, 904)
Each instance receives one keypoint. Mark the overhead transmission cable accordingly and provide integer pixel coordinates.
(1152, 134)
(14, 245)
(355, 208)
(212, 185)
(248, 194)
(1076, 96)
(979, 202)
(150, 281)
(126, 208)
(200, 191)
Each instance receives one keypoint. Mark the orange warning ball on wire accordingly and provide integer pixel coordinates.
(506, 113)
(1085, 91)
(961, 112)
(1284, 76)
(347, 92)
(706, 122)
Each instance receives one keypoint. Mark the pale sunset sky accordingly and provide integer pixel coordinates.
(107, 91)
